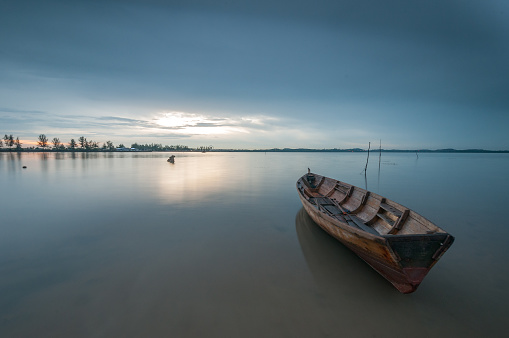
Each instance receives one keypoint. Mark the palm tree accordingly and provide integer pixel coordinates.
(9, 140)
(83, 142)
(72, 144)
(56, 142)
(18, 143)
(43, 141)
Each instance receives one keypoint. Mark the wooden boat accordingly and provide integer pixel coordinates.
(395, 241)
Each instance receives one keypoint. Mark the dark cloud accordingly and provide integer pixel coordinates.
(352, 62)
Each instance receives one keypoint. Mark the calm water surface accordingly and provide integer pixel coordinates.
(218, 245)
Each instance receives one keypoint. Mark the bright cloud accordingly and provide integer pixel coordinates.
(196, 124)
(180, 120)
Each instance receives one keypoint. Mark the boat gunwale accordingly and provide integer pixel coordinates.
(426, 223)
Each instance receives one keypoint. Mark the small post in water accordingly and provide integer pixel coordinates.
(367, 160)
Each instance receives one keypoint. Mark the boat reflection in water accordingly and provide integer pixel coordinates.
(358, 298)
(335, 268)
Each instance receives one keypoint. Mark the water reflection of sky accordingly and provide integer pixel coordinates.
(108, 239)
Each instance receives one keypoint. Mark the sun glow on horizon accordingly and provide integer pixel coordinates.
(194, 124)
(179, 120)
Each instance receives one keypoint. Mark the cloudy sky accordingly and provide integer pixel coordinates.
(259, 74)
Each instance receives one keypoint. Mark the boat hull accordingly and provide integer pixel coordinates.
(403, 260)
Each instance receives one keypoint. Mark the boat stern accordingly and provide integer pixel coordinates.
(416, 255)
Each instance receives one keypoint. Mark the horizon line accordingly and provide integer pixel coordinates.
(442, 150)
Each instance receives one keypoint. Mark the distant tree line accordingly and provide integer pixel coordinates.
(205, 148)
(159, 147)
(82, 144)
(11, 142)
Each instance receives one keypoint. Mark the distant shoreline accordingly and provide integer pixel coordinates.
(273, 150)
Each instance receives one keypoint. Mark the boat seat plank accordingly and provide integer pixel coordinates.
(305, 183)
(346, 219)
(357, 222)
(323, 201)
(338, 212)
(365, 198)
(363, 226)
(320, 182)
(341, 189)
(390, 209)
(386, 219)
(308, 193)
(399, 222)
(332, 209)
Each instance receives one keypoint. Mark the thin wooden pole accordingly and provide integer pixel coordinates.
(367, 160)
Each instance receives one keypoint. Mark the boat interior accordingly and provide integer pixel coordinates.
(362, 209)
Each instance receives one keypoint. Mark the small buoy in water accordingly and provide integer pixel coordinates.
(24, 167)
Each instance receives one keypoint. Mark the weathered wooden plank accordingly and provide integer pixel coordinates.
(362, 225)
(385, 219)
(332, 209)
(400, 221)
(391, 209)
(365, 198)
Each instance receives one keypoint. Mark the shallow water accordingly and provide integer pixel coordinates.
(217, 244)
